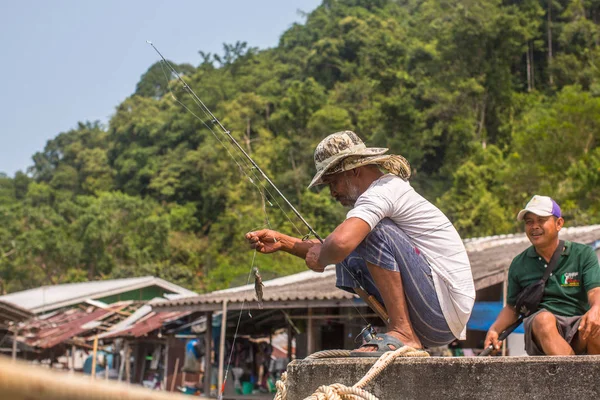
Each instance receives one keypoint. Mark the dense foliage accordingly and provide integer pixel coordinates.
(490, 100)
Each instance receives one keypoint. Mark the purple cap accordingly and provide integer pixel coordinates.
(543, 206)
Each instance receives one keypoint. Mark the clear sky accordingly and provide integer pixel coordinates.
(65, 61)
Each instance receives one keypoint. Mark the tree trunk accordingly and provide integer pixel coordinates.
(91, 271)
(482, 121)
(595, 19)
(528, 69)
(550, 77)
(532, 68)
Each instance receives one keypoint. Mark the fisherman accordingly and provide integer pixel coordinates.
(401, 248)
(568, 319)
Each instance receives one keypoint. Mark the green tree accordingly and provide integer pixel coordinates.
(155, 81)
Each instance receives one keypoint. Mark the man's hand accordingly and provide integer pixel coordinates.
(492, 338)
(264, 241)
(312, 258)
(589, 327)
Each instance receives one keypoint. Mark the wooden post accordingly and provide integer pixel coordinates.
(73, 358)
(94, 355)
(165, 378)
(290, 334)
(175, 373)
(123, 360)
(140, 357)
(14, 345)
(128, 363)
(309, 333)
(208, 353)
(222, 347)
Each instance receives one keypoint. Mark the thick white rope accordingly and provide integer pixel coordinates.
(337, 391)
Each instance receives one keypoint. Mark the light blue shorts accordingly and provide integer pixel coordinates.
(388, 247)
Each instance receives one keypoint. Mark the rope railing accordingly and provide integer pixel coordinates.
(21, 381)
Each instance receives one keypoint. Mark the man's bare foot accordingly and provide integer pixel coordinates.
(408, 341)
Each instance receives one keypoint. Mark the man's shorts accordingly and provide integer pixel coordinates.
(567, 328)
(388, 247)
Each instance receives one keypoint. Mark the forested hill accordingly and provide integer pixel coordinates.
(491, 101)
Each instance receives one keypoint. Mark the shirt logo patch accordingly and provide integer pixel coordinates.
(570, 279)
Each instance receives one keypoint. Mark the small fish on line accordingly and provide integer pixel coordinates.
(258, 287)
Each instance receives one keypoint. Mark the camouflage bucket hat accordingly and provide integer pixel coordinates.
(338, 146)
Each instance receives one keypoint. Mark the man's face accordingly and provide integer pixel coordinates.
(542, 231)
(343, 187)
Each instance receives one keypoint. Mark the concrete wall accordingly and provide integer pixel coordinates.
(431, 378)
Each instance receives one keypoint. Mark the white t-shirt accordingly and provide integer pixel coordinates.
(433, 234)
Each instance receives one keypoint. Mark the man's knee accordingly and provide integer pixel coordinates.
(543, 324)
(593, 345)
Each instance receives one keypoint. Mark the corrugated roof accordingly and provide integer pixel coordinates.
(308, 285)
(151, 322)
(48, 331)
(490, 258)
(52, 297)
(9, 314)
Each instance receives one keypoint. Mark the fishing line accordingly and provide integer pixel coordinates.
(226, 132)
(236, 160)
(223, 321)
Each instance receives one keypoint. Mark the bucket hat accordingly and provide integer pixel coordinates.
(343, 151)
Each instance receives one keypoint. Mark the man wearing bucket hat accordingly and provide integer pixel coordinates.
(402, 249)
(568, 317)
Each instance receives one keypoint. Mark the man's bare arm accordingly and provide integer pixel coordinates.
(589, 327)
(343, 240)
(594, 297)
(268, 241)
(506, 318)
(296, 246)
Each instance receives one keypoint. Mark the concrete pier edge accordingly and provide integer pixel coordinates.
(431, 378)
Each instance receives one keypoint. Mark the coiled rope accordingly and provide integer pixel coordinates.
(337, 391)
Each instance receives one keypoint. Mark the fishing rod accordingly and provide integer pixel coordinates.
(235, 142)
(369, 299)
(488, 350)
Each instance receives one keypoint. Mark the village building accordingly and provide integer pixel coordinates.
(318, 316)
(62, 326)
(142, 326)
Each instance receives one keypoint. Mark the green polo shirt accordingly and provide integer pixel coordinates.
(566, 290)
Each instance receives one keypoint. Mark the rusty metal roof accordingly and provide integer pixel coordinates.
(49, 330)
(146, 325)
(490, 258)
